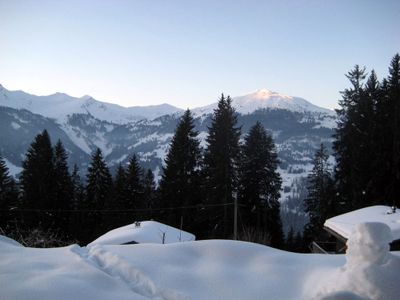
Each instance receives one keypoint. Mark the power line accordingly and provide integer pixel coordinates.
(199, 206)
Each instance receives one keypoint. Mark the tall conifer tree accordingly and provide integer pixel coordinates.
(149, 194)
(319, 203)
(180, 184)
(260, 184)
(99, 181)
(8, 193)
(135, 187)
(37, 177)
(220, 166)
(62, 185)
(37, 182)
(98, 192)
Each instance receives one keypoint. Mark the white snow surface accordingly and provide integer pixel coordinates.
(12, 169)
(146, 232)
(371, 271)
(266, 99)
(212, 269)
(344, 224)
(59, 105)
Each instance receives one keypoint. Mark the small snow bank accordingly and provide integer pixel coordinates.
(7, 241)
(144, 232)
(370, 272)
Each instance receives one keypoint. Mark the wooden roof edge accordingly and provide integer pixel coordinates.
(335, 234)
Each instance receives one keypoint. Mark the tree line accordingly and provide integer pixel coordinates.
(198, 190)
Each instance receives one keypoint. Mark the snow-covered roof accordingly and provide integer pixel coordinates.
(344, 224)
(144, 232)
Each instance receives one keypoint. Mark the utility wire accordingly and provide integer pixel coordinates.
(199, 206)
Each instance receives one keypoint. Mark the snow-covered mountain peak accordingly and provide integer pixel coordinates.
(266, 99)
(263, 93)
(86, 97)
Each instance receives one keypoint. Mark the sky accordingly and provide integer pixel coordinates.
(188, 52)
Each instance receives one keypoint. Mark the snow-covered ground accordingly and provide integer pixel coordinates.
(213, 269)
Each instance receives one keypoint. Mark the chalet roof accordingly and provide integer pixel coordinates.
(344, 224)
(144, 232)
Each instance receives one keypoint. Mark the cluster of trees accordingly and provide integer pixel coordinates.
(366, 149)
(51, 197)
(201, 190)
(225, 180)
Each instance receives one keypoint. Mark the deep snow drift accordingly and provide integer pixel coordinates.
(144, 232)
(214, 269)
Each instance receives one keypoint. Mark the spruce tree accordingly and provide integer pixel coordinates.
(319, 203)
(221, 167)
(260, 184)
(135, 188)
(99, 182)
(179, 185)
(8, 194)
(37, 182)
(63, 188)
(149, 194)
(78, 218)
(347, 143)
(78, 198)
(394, 117)
(98, 192)
(121, 194)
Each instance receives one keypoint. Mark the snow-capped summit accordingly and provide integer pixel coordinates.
(266, 99)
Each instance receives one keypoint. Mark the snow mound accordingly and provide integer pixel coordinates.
(7, 241)
(144, 232)
(371, 271)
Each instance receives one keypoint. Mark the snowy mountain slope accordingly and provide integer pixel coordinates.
(59, 106)
(209, 269)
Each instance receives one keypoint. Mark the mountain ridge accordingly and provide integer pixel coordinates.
(244, 104)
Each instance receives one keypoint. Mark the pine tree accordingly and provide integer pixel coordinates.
(121, 193)
(98, 192)
(135, 188)
(63, 188)
(79, 197)
(99, 182)
(149, 194)
(37, 182)
(260, 184)
(78, 218)
(347, 143)
(319, 203)
(394, 117)
(179, 185)
(8, 194)
(220, 166)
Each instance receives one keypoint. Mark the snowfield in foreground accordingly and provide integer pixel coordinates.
(213, 269)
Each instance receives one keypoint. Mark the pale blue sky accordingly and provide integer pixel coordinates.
(188, 52)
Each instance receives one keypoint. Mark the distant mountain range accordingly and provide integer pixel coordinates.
(83, 124)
